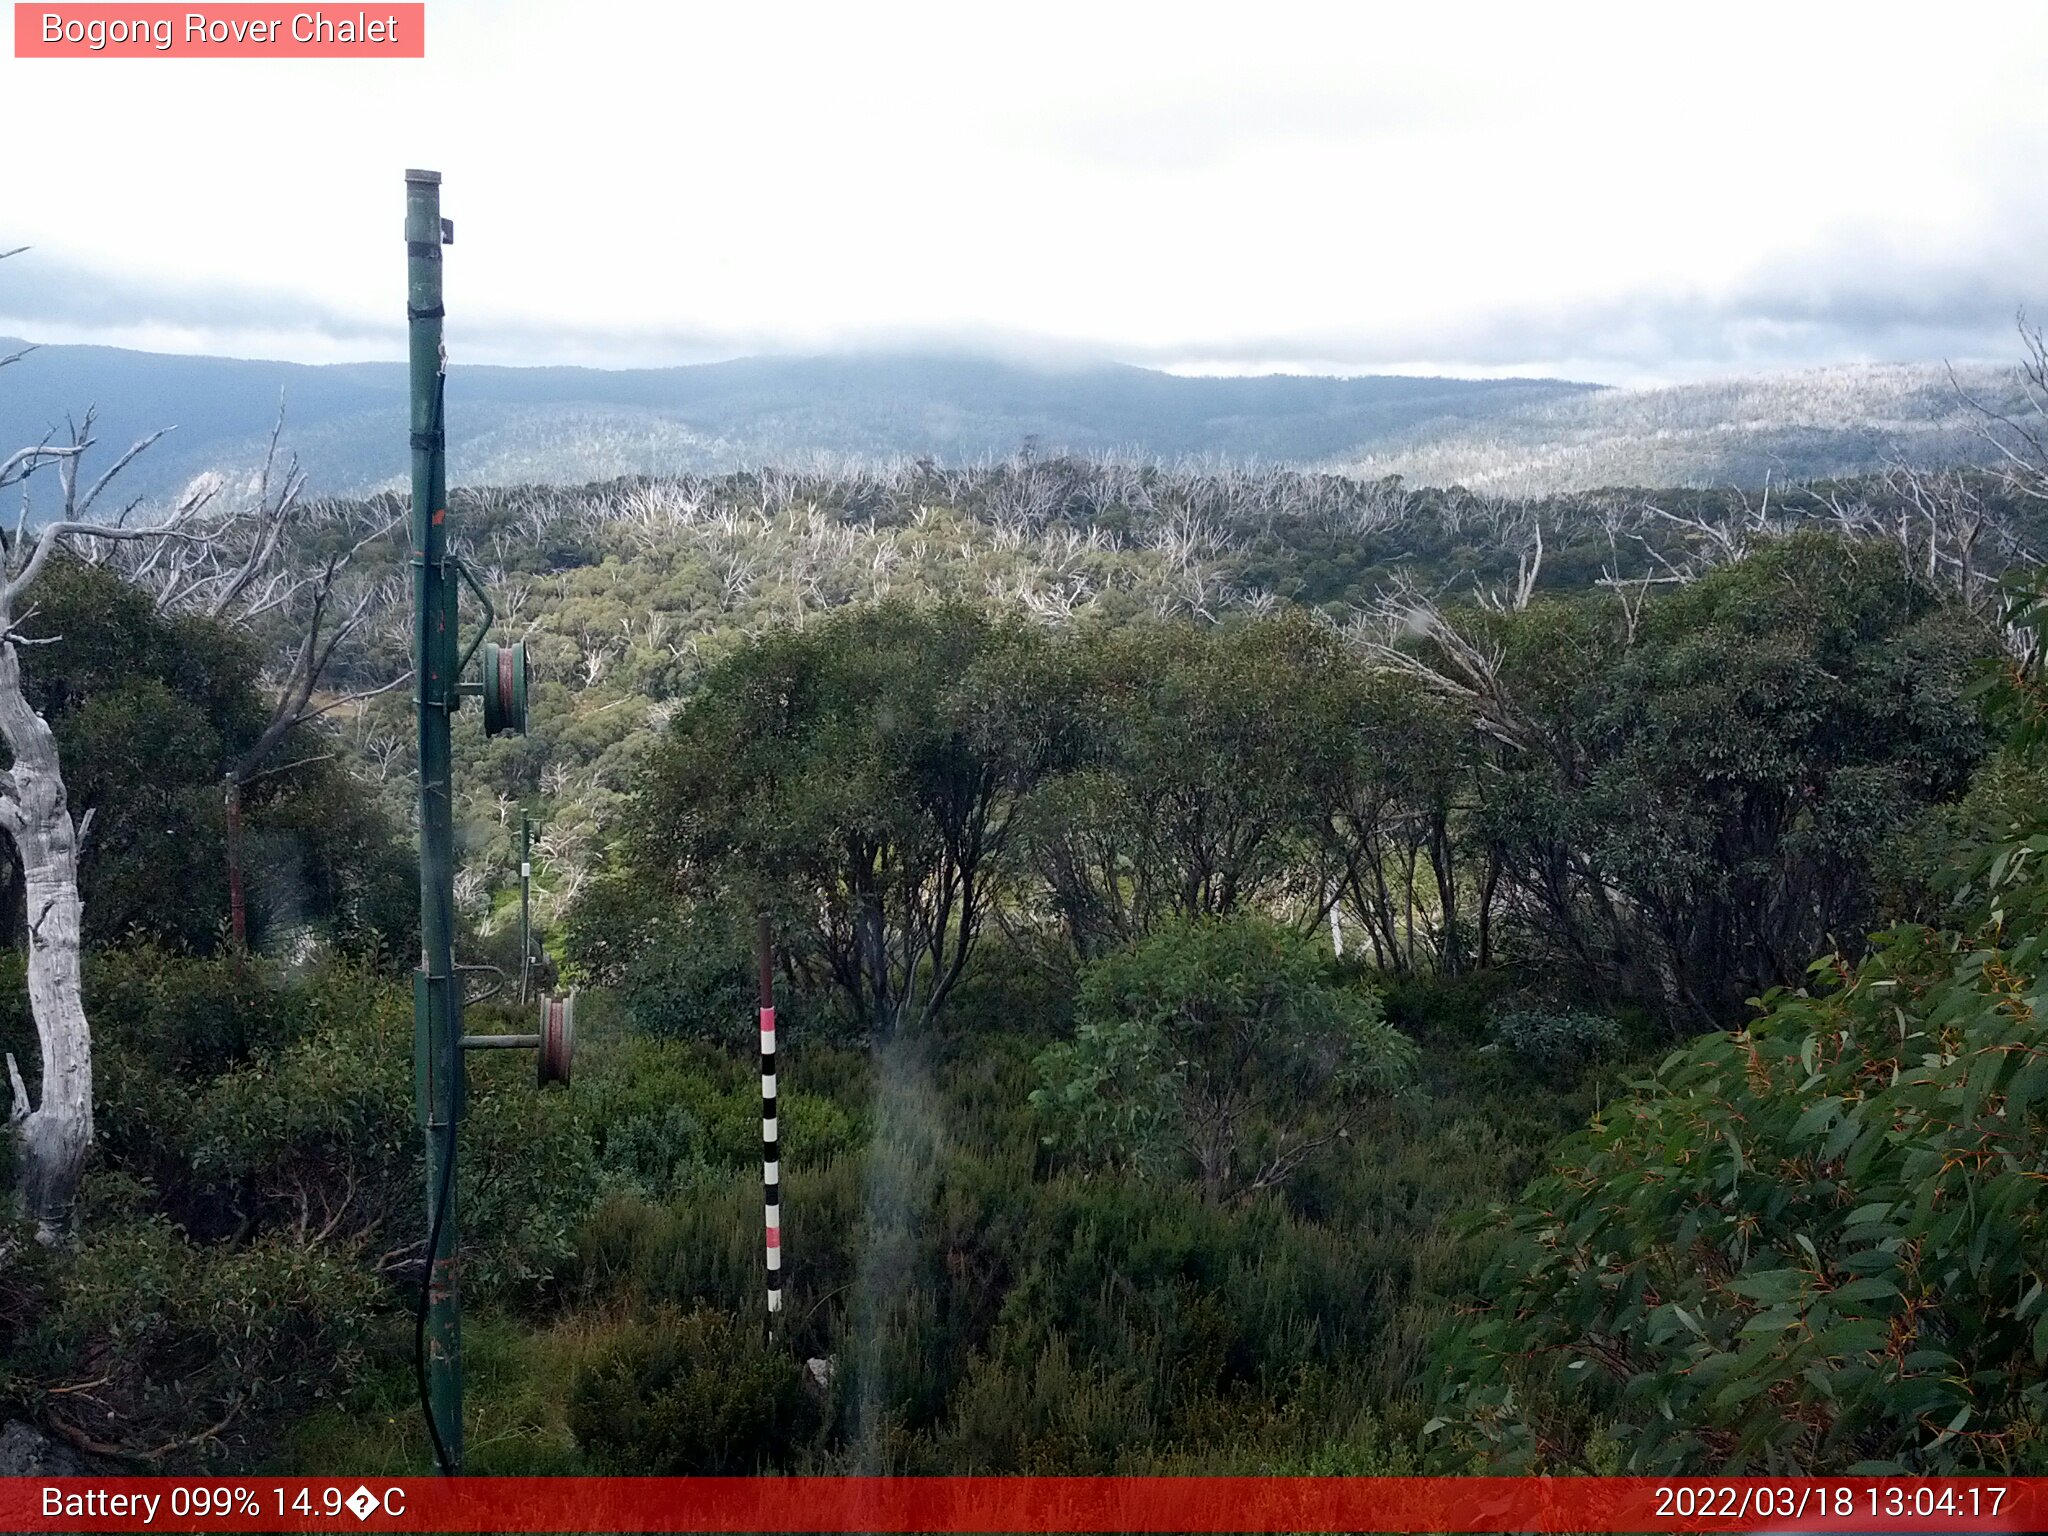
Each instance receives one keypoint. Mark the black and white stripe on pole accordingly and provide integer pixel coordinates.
(771, 1146)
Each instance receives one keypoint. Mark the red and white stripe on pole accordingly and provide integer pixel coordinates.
(771, 1141)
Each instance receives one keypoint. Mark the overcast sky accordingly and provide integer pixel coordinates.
(1627, 194)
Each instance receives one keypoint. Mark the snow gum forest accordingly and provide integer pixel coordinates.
(1279, 972)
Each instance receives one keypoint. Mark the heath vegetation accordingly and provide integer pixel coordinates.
(1279, 972)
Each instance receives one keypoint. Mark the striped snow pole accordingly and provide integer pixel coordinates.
(771, 1147)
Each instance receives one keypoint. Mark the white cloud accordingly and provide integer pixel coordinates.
(1640, 191)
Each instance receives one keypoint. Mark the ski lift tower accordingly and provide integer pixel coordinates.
(439, 665)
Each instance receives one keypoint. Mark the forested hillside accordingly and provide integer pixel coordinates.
(1200, 899)
(570, 425)
(626, 593)
(567, 426)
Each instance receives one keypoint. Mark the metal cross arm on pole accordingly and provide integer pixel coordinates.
(556, 1042)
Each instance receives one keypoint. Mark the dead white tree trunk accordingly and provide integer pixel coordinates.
(54, 1135)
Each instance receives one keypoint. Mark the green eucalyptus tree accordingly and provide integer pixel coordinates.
(861, 778)
(1194, 789)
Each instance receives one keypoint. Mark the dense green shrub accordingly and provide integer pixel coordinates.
(667, 1109)
(186, 1349)
(1810, 1245)
(858, 779)
(1689, 808)
(148, 712)
(608, 926)
(704, 1245)
(697, 1393)
(699, 980)
(529, 1178)
(250, 1217)
(1195, 758)
(1218, 1045)
(1556, 1046)
(1440, 1010)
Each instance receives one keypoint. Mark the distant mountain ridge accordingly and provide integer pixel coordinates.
(347, 422)
(1813, 424)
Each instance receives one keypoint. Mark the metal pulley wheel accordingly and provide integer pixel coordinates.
(557, 1037)
(504, 687)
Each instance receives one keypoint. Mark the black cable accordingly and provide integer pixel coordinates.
(419, 1334)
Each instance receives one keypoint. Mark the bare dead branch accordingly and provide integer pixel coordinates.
(85, 503)
(24, 462)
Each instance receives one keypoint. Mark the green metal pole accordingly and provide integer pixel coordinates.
(437, 1022)
(525, 906)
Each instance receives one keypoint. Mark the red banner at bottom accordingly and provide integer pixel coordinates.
(1023, 1504)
